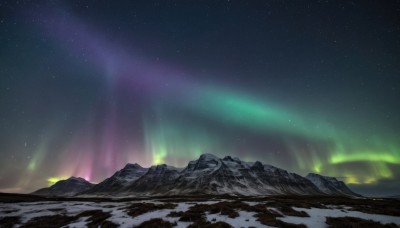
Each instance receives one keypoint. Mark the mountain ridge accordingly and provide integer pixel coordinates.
(68, 187)
(210, 174)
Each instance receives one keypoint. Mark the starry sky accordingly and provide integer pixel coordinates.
(307, 86)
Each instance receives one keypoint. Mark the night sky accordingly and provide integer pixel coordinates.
(307, 86)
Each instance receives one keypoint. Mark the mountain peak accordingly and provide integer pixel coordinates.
(134, 165)
(163, 167)
(229, 158)
(208, 156)
(73, 178)
(258, 166)
(68, 187)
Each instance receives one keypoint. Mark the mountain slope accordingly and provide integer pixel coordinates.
(212, 175)
(156, 180)
(208, 174)
(120, 179)
(330, 185)
(68, 187)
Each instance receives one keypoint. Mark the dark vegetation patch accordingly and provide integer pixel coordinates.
(192, 216)
(10, 211)
(108, 224)
(10, 221)
(205, 224)
(367, 205)
(157, 222)
(352, 222)
(175, 214)
(283, 203)
(283, 224)
(142, 208)
(266, 216)
(223, 208)
(289, 211)
(15, 197)
(97, 218)
(50, 221)
(56, 209)
(267, 219)
(196, 213)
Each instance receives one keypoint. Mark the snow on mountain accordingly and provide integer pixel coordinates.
(330, 185)
(156, 180)
(233, 176)
(120, 179)
(212, 175)
(285, 182)
(68, 187)
(208, 174)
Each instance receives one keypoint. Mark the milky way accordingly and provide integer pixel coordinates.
(87, 87)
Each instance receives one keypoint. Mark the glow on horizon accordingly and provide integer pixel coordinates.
(53, 180)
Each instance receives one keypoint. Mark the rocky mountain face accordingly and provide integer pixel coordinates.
(68, 187)
(330, 185)
(120, 179)
(157, 179)
(213, 175)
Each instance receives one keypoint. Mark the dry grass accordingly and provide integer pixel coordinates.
(175, 214)
(291, 212)
(196, 213)
(283, 224)
(192, 216)
(50, 221)
(10, 211)
(351, 222)
(9, 222)
(97, 218)
(206, 224)
(108, 224)
(56, 209)
(142, 208)
(267, 219)
(157, 222)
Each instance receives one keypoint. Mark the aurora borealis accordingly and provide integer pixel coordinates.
(88, 86)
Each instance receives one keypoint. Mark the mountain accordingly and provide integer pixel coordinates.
(68, 187)
(330, 185)
(120, 179)
(156, 180)
(212, 175)
(208, 174)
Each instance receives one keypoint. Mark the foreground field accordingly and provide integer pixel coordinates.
(201, 211)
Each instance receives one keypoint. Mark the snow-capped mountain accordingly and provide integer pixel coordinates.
(156, 180)
(330, 185)
(210, 174)
(68, 187)
(120, 179)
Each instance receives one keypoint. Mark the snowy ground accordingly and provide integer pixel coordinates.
(28, 210)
